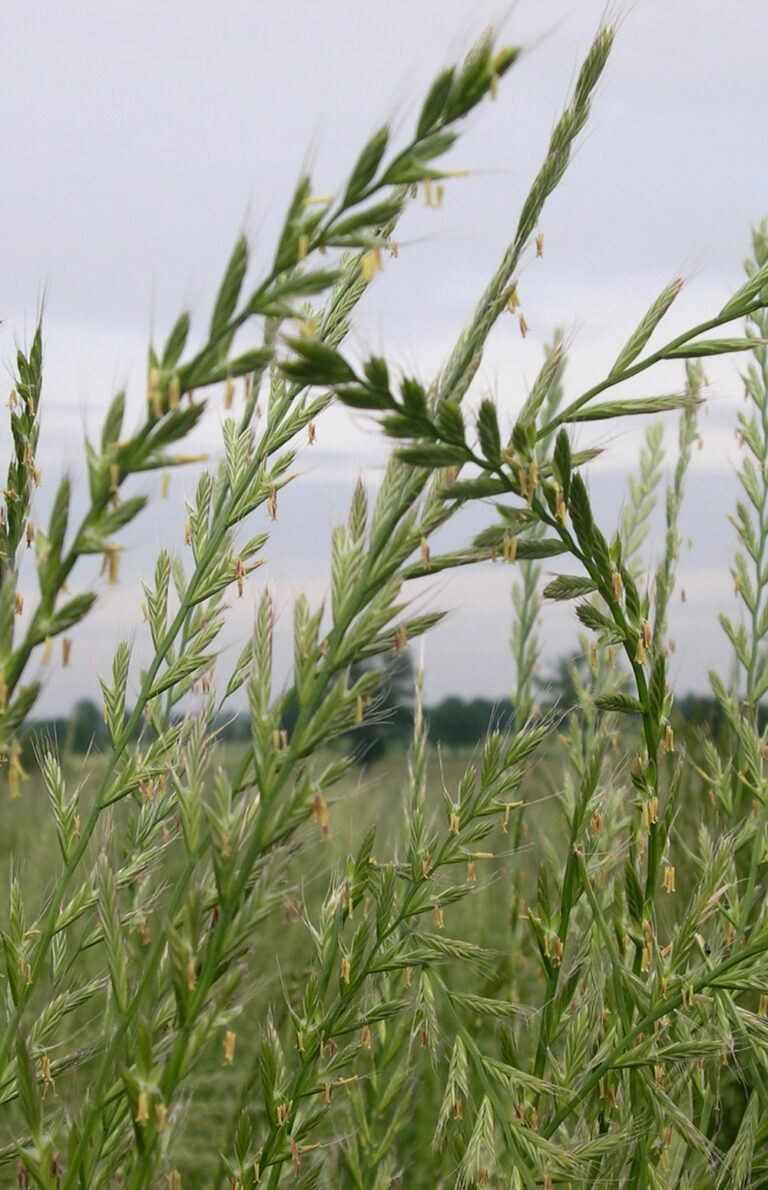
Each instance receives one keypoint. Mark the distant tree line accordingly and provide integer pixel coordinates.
(387, 721)
(454, 722)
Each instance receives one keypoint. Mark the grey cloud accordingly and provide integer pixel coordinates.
(140, 139)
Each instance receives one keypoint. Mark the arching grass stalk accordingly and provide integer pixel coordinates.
(161, 1023)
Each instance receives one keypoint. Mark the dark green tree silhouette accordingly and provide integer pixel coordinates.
(86, 727)
(456, 723)
(389, 716)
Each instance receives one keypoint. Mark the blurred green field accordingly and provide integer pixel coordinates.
(280, 957)
(371, 795)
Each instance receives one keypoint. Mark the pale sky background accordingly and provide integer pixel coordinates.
(140, 140)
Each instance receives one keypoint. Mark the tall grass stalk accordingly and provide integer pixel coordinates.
(554, 971)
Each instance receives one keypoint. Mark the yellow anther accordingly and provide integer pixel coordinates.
(174, 393)
(142, 1109)
(370, 265)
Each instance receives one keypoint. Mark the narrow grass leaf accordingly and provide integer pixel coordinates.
(365, 167)
(746, 294)
(706, 347)
(634, 408)
(642, 334)
(229, 291)
(567, 586)
(624, 704)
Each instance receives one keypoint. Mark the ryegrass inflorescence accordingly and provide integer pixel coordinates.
(554, 971)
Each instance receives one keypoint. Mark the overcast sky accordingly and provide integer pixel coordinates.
(140, 140)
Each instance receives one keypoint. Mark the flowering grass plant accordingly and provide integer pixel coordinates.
(602, 1023)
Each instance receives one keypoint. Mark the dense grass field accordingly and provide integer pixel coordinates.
(494, 918)
(369, 795)
(542, 965)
